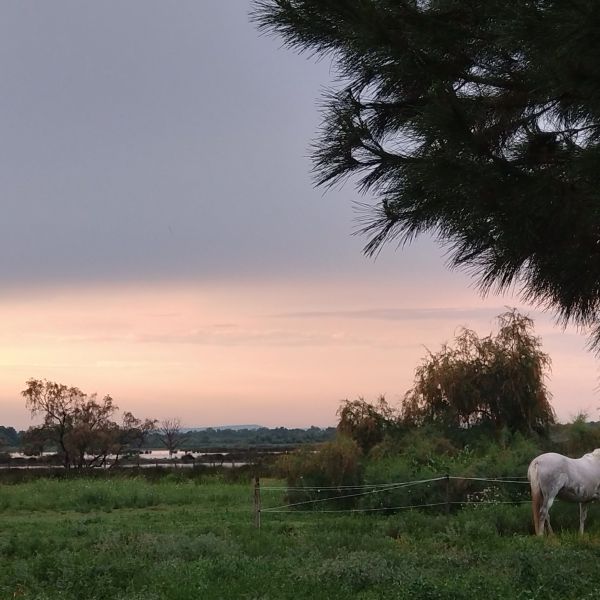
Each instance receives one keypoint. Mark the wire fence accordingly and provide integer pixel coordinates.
(354, 492)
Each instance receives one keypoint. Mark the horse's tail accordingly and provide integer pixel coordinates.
(537, 498)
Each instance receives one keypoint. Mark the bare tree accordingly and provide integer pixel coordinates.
(170, 434)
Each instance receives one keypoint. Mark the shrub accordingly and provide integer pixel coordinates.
(334, 464)
(425, 453)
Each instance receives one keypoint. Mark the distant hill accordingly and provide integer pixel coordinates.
(225, 428)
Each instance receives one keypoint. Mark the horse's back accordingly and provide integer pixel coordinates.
(550, 462)
(549, 472)
(571, 478)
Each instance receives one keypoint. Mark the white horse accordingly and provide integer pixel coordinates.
(572, 479)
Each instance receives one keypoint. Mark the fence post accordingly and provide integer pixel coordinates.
(257, 502)
(447, 479)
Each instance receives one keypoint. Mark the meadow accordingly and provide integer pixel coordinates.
(179, 538)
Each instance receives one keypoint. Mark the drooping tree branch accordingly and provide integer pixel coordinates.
(477, 121)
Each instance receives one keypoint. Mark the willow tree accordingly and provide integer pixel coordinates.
(366, 423)
(499, 380)
(477, 121)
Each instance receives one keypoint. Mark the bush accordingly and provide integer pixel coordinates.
(581, 436)
(425, 453)
(334, 464)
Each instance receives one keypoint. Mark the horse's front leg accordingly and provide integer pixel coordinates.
(583, 508)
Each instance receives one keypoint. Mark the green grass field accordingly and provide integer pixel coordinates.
(133, 539)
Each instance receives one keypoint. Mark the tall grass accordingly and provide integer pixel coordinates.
(182, 540)
(85, 495)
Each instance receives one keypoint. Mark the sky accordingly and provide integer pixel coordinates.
(162, 240)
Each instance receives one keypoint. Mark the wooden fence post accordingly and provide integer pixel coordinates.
(447, 493)
(257, 502)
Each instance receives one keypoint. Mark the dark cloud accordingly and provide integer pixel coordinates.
(146, 139)
(150, 141)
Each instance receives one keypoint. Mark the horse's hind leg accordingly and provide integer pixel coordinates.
(542, 521)
(537, 505)
(583, 508)
(544, 514)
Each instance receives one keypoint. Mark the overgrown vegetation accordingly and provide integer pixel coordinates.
(479, 410)
(117, 539)
(262, 437)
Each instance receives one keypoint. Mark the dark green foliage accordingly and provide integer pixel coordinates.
(475, 120)
(581, 436)
(244, 438)
(337, 475)
(8, 437)
(428, 453)
(497, 380)
(205, 439)
(334, 464)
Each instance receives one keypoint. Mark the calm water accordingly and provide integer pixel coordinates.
(148, 459)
